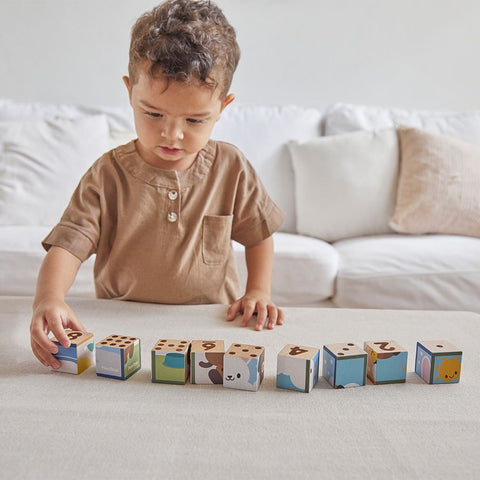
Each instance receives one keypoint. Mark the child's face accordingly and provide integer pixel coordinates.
(173, 120)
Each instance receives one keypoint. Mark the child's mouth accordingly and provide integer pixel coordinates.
(170, 151)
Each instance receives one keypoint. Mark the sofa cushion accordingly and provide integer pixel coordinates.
(41, 162)
(344, 117)
(345, 184)
(262, 134)
(438, 190)
(21, 255)
(430, 272)
(304, 269)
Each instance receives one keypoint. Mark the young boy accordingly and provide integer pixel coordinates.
(160, 212)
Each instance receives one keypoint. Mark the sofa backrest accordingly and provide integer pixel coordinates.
(345, 117)
(262, 134)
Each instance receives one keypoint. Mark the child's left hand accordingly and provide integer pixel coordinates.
(256, 303)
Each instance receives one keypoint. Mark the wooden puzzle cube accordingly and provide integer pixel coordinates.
(243, 367)
(118, 356)
(170, 361)
(438, 361)
(344, 365)
(297, 368)
(206, 360)
(387, 362)
(78, 356)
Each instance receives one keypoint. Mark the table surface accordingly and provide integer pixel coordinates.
(59, 425)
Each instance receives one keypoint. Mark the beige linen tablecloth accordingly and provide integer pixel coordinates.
(56, 425)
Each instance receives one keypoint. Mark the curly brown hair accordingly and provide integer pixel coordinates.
(185, 40)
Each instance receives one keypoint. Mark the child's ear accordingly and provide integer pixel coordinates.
(228, 100)
(126, 81)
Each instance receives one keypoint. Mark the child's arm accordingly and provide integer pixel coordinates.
(259, 259)
(50, 312)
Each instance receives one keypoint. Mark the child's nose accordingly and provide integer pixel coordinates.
(172, 131)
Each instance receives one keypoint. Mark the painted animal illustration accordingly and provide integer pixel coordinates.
(214, 360)
(242, 372)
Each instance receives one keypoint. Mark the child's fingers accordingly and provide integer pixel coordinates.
(261, 316)
(233, 310)
(248, 310)
(39, 334)
(56, 327)
(281, 317)
(43, 356)
(272, 316)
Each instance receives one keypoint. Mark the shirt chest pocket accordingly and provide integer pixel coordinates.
(216, 238)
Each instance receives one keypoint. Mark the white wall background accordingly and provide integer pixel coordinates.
(405, 53)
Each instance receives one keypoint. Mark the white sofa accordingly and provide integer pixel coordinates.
(336, 248)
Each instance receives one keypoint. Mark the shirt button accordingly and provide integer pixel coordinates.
(172, 217)
(172, 194)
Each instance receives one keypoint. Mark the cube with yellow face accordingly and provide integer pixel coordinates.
(438, 361)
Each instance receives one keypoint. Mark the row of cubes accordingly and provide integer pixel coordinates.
(242, 366)
(118, 356)
(347, 365)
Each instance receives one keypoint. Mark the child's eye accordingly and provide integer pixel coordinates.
(194, 121)
(153, 114)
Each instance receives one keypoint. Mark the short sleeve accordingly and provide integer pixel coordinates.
(79, 228)
(256, 216)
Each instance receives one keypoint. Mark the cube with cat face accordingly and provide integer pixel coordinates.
(243, 367)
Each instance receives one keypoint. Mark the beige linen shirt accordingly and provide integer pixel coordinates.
(164, 236)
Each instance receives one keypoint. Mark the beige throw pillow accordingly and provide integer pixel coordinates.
(345, 184)
(439, 185)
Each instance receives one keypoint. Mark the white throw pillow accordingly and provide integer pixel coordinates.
(41, 163)
(345, 184)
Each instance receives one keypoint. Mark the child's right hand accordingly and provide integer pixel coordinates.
(51, 316)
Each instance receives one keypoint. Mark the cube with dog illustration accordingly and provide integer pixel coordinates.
(206, 361)
(118, 356)
(297, 368)
(243, 367)
(171, 361)
(78, 356)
